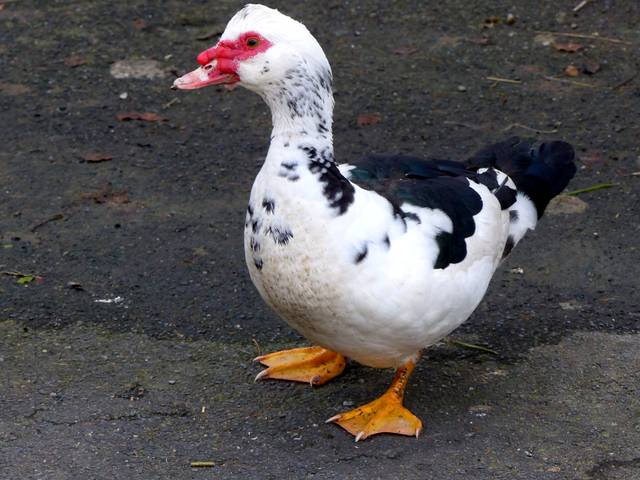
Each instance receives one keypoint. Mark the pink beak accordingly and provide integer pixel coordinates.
(208, 74)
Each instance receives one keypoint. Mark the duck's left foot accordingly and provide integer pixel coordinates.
(313, 365)
(385, 414)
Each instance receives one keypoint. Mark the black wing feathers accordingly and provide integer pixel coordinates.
(437, 184)
(540, 171)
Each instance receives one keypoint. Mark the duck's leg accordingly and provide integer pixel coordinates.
(385, 414)
(314, 365)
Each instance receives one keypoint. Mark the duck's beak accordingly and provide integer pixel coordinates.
(203, 76)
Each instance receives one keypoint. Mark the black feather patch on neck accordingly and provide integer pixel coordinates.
(336, 188)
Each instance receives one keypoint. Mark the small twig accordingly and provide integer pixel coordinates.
(531, 129)
(170, 102)
(625, 82)
(472, 346)
(580, 6)
(14, 274)
(258, 349)
(461, 124)
(584, 35)
(57, 216)
(504, 80)
(593, 188)
(569, 82)
(202, 464)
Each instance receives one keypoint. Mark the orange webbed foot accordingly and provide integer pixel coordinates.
(385, 414)
(313, 365)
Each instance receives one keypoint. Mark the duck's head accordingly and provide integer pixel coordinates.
(259, 50)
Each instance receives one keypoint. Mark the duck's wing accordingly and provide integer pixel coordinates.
(436, 184)
(522, 174)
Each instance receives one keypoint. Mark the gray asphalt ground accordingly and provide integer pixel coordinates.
(128, 322)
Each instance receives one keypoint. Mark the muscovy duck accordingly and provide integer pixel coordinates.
(377, 259)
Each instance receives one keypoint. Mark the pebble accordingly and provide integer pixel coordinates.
(571, 305)
(462, 88)
(392, 453)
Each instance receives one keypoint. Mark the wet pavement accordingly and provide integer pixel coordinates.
(127, 319)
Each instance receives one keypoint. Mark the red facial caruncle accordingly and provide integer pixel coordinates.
(219, 64)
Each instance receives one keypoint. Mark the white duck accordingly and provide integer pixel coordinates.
(380, 259)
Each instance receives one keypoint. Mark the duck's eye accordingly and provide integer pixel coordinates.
(252, 42)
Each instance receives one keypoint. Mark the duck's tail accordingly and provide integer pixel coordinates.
(540, 172)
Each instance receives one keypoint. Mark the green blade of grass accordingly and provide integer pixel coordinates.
(593, 188)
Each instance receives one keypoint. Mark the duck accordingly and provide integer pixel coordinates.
(375, 259)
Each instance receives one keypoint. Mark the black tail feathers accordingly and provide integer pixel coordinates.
(540, 171)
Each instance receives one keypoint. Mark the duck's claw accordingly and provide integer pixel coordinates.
(313, 365)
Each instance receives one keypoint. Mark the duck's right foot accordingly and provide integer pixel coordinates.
(313, 365)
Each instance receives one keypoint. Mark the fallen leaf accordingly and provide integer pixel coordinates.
(96, 157)
(569, 47)
(107, 195)
(25, 279)
(571, 71)
(406, 50)
(144, 116)
(2, 5)
(365, 119)
(74, 61)
(139, 24)
(13, 89)
(590, 67)
(591, 158)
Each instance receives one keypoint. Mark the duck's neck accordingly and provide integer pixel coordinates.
(302, 105)
(301, 149)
